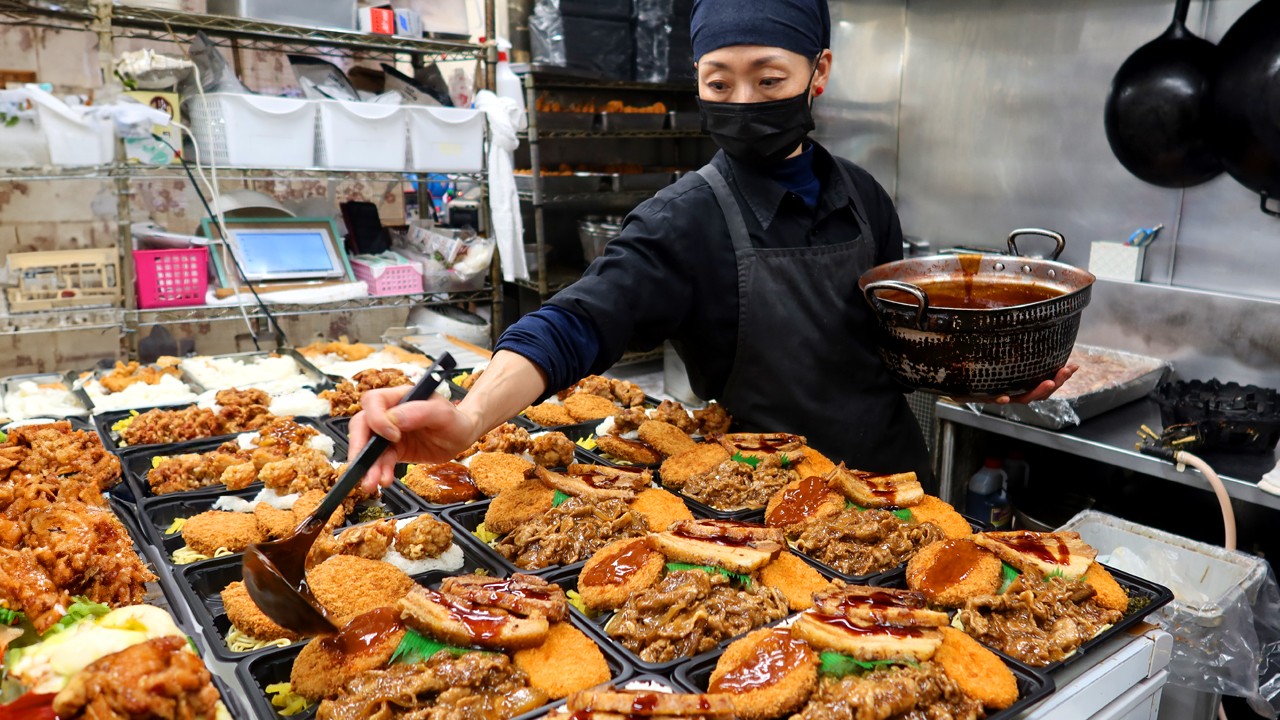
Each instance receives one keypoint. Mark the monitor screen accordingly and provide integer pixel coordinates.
(293, 253)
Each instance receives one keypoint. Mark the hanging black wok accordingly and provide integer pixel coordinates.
(1245, 101)
(1156, 113)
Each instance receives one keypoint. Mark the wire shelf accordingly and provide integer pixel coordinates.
(600, 135)
(169, 172)
(200, 314)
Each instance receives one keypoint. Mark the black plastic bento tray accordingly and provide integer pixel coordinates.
(201, 586)
(1157, 596)
(273, 666)
(136, 465)
(102, 423)
(156, 514)
(402, 469)
(650, 402)
(884, 578)
(694, 676)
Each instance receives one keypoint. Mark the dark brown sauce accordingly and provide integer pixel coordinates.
(618, 565)
(799, 502)
(644, 703)
(364, 632)
(765, 445)
(716, 538)
(504, 586)
(481, 624)
(1035, 546)
(453, 480)
(635, 444)
(770, 660)
(977, 293)
(595, 479)
(954, 563)
(881, 600)
(846, 625)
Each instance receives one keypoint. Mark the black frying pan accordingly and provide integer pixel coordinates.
(1245, 101)
(1156, 113)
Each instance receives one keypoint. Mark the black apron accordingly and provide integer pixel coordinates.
(806, 361)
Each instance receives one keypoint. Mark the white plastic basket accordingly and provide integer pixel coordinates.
(236, 130)
(446, 139)
(361, 136)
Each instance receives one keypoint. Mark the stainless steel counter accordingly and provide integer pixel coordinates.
(1108, 438)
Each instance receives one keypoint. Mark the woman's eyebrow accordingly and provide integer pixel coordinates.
(768, 59)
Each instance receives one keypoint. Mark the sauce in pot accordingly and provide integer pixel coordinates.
(975, 293)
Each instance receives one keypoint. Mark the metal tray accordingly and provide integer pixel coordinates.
(1157, 596)
(695, 675)
(377, 347)
(137, 464)
(318, 380)
(1058, 413)
(684, 120)
(565, 184)
(155, 515)
(273, 666)
(97, 374)
(631, 122)
(638, 182)
(10, 384)
(435, 344)
(202, 583)
(570, 121)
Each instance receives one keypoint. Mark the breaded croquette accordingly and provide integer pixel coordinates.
(549, 414)
(583, 407)
(939, 512)
(310, 500)
(660, 508)
(565, 663)
(274, 522)
(951, 571)
(665, 437)
(814, 463)
(348, 586)
(789, 686)
(978, 672)
(518, 505)
(244, 613)
(1109, 593)
(683, 467)
(617, 571)
(322, 668)
(795, 578)
(496, 472)
(636, 452)
(209, 531)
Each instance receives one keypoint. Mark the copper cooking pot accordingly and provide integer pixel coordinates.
(995, 324)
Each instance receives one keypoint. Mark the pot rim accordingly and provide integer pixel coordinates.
(1036, 263)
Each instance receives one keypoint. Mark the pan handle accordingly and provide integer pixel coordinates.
(922, 298)
(1267, 208)
(1056, 237)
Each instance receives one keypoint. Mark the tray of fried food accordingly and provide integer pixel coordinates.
(1040, 598)
(348, 571)
(671, 595)
(553, 520)
(42, 396)
(509, 646)
(648, 434)
(344, 397)
(645, 697)
(733, 475)
(864, 647)
(343, 359)
(135, 385)
(591, 399)
(278, 373)
(861, 524)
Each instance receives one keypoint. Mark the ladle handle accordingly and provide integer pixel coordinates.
(922, 299)
(1056, 237)
(359, 467)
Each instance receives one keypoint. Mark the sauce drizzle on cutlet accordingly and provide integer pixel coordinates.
(481, 624)
(847, 626)
(771, 659)
(363, 632)
(1038, 546)
(953, 562)
(616, 567)
(453, 480)
(799, 502)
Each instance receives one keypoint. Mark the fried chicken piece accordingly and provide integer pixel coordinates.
(124, 375)
(344, 399)
(376, 379)
(157, 678)
(370, 541)
(240, 475)
(442, 484)
(549, 414)
(75, 456)
(566, 662)
(629, 420)
(282, 435)
(192, 471)
(423, 537)
(304, 469)
(246, 616)
(212, 530)
(155, 427)
(673, 413)
(345, 350)
(506, 438)
(712, 420)
(597, 385)
(348, 586)
(234, 397)
(323, 667)
(87, 551)
(553, 449)
(25, 586)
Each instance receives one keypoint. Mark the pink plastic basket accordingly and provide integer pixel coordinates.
(394, 280)
(169, 278)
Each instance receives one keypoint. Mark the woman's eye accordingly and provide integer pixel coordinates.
(717, 86)
(770, 82)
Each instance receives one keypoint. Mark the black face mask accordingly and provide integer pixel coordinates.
(762, 133)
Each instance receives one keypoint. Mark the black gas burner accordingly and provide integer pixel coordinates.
(1213, 415)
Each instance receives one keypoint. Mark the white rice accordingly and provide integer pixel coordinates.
(606, 427)
(32, 401)
(334, 364)
(273, 374)
(448, 561)
(303, 403)
(169, 390)
(647, 686)
(231, 503)
(321, 442)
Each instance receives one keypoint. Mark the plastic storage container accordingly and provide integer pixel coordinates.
(446, 139)
(388, 276)
(336, 14)
(252, 130)
(171, 278)
(361, 136)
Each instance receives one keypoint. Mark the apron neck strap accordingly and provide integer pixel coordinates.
(729, 206)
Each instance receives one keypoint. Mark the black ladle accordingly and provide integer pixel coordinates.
(275, 572)
(1157, 115)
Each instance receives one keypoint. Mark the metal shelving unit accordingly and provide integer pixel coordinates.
(109, 22)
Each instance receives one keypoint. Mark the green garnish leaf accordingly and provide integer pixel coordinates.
(415, 647)
(10, 617)
(838, 664)
(192, 642)
(739, 577)
(752, 461)
(82, 608)
(1054, 574)
(558, 499)
(785, 461)
(903, 514)
(1007, 575)
(852, 504)
(4, 436)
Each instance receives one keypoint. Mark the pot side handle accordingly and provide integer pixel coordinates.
(922, 299)
(1056, 237)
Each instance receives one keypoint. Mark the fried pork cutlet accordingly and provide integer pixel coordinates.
(583, 407)
(666, 438)
(549, 414)
(523, 502)
(679, 469)
(660, 508)
(952, 571)
(497, 472)
(632, 451)
(348, 586)
(617, 571)
(565, 663)
(245, 614)
(274, 523)
(977, 671)
(212, 530)
(934, 510)
(795, 578)
(324, 666)
(767, 674)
